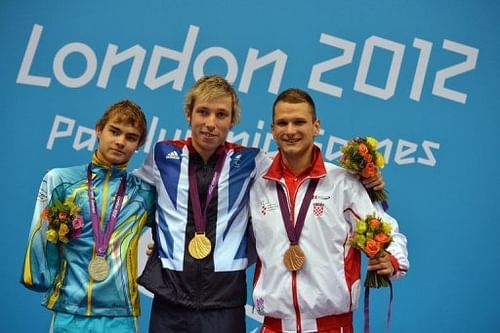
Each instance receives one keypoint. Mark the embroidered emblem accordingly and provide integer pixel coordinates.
(266, 207)
(237, 161)
(172, 156)
(318, 208)
(321, 197)
(260, 306)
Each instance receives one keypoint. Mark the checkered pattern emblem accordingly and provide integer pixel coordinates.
(318, 208)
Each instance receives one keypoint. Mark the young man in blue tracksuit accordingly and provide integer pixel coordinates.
(82, 248)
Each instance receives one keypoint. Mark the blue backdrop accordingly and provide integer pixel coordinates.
(421, 76)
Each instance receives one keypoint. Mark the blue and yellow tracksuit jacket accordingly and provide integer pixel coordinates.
(59, 270)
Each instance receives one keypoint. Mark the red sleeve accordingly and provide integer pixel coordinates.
(394, 262)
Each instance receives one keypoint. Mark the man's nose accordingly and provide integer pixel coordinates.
(120, 140)
(210, 121)
(290, 128)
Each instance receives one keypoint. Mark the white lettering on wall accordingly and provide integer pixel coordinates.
(182, 60)
(328, 65)
(397, 50)
(469, 64)
(407, 152)
(87, 75)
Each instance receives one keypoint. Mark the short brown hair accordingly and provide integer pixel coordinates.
(295, 96)
(127, 112)
(211, 87)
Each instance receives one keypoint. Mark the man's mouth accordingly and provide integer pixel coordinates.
(208, 135)
(291, 141)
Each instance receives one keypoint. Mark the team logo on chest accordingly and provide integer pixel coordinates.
(173, 155)
(318, 209)
(236, 160)
(266, 207)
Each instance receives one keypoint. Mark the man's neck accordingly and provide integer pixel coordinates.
(204, 154)
(298, 163)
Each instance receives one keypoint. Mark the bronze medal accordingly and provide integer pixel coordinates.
(294, 258)
(98, 268)
(199, 247)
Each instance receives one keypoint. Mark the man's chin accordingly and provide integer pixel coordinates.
(290, 150)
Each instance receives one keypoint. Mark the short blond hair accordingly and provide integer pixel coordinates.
(211, 87)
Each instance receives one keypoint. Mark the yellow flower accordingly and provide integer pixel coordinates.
(361, 227)
(379, 160)
(359, 241)
(372, 142)
(73, 209)
(386, 228)
(63, 230)
(52, 236)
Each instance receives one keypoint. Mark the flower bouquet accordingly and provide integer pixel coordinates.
(65, 221)
(372, 236)
(361, 157)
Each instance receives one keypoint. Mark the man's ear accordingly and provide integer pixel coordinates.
(272, 131)
(317, 127)
(98, 132)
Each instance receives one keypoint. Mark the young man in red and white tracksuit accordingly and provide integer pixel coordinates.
(320, 295)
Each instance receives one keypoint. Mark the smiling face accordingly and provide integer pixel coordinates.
(117, 141)
(294, 130)
(210, 122)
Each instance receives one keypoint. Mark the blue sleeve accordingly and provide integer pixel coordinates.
(41, 262)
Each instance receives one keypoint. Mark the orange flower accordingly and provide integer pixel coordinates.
(374, 223)
(62, 215)
(368, 158)
(363, 150)
(372, 247)
(45, 214)
(382, 238)
(370, 170)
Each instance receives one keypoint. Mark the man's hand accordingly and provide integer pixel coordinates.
(376, 182)
(381, 264)
(150, 249)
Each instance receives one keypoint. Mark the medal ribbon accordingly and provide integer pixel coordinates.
(200, 219)
(292, 231)
(102, 238)
(366, 325)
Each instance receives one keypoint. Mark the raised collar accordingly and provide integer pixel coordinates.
(116, 169)
(316, 170)
(212, 159)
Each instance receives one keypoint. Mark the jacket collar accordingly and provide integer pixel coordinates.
(316, 170)
(116, 169)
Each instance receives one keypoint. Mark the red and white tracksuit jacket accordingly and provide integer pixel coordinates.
(329, 282)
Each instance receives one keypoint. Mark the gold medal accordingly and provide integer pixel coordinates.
(294, 258)
(98, 268)
(199, 247)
